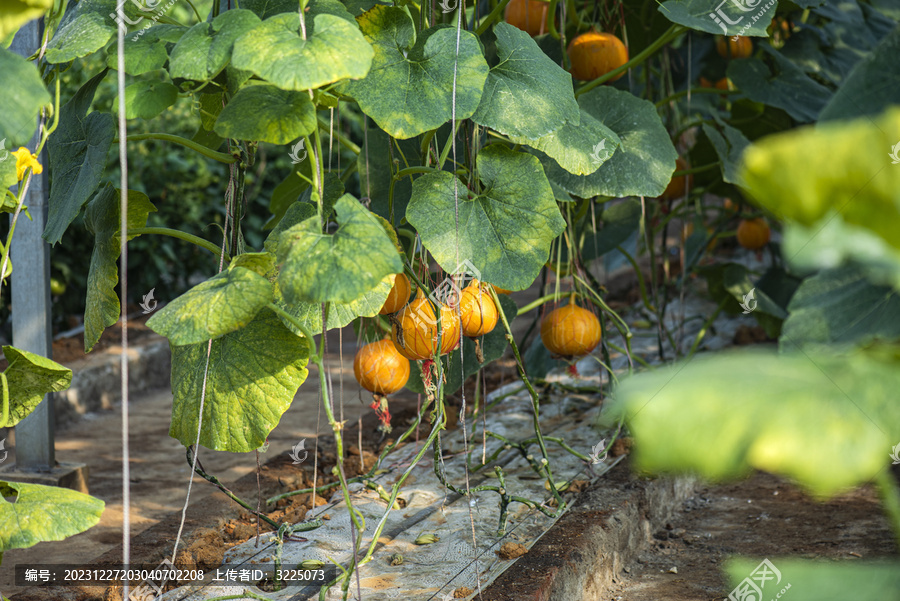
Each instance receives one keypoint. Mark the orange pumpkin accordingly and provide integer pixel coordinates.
(528, 15)
(679, 184)
(478, 312)
(380, 368)
(742, 47)
(415, 332)
(398, 296)
(500, 290)
(570, 331)
(594, 54)
(753, 234)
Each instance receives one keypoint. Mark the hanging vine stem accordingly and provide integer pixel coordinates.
(212, 154)
(535, 400)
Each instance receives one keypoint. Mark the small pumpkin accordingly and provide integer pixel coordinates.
(570, 331)
(679, 184)
(414, 330)
(596, 53)
(528, 15)
(398, 296)
(742, 47)
(753, 234)
(478, 313)
(380, 368)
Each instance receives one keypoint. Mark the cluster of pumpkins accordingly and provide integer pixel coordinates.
(382, 367)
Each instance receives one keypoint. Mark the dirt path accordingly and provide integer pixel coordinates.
(761, 517)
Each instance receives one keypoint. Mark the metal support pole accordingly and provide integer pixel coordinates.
(31, 321)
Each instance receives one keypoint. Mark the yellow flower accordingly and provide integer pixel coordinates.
(24, 160)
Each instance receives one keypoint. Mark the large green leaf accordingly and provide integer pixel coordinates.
(526, 94)
(505, 231)
(77, 151)
(619, 221)
(305, 208)
(410, 88)
(19, 101)
(729, 145)
(102, 308)
(837, 180)
(493, 346)
(268, 114)
(254, 374)
(224, 303)
(30, 377)
(826, 421)
(275, 51)
(872, 85)
(816, 580)
(147, 99)
(40, 513)
(149, 52)
(339, 314)
(784, 85)
(87, 27)
(579, 148)
(643, 163)
(205, 49)
(338, 267)
(840, 306)
(726, 18)
(15, 13)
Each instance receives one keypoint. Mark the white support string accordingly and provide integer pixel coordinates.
(123, 292)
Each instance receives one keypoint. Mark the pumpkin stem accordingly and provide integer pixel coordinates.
(479, 354)
(380, 405)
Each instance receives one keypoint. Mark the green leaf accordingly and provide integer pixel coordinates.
(786, 87)
(826, 421)
(149, 52)
(375, 171)
(30, 377)
(21, 102)
(820, 580)
(77, 151)
(729, 148)
(526, 94)
(339, 314)
(15, 13)
(254, 374)
(339, 267)
(205, 49)
(726, 18)
(262, 263)
(102, 216)
(284, 196)
(275, 51)
(40, 513)
(837, 180)
(87, 27)
(410, 88)
(841, 307)
(619, 221)
(267, 8)
(147, 99)
(505, 231)
(493, 345)
(268, 114)
(878, 74)
(579, 148)
(643, 163)
(8, 175)
(222, 304)
(306, 208)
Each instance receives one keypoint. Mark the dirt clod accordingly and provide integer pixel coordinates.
(511, 550)
(621, 446)
(462, 592)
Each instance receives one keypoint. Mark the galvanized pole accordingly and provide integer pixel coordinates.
(32, 325)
